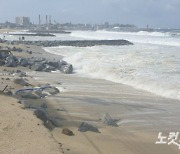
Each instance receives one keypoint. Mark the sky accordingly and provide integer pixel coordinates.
(155, 13)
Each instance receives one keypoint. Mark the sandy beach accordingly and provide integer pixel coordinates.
(21, 132)
(142, 116)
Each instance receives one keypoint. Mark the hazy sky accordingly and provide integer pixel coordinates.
(156, 13)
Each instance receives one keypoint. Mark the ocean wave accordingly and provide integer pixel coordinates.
(140, 33)
(145, 68)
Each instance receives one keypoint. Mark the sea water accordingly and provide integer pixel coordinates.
(151, 64)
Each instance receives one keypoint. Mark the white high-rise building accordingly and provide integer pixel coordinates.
(23, 21)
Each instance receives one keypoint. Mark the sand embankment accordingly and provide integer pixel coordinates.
(7, 30)
(21, 132)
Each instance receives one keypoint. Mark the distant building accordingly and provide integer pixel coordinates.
(22, 21)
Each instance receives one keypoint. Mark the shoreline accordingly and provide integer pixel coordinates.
(22, 131)
(158, 91)
(143, 113)
(87, 99)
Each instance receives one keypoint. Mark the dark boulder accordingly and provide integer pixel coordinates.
(4, 55)
(56, 65)
(43, 115)
(68, 132)
(67, 69)
(2, 62)
(21, 82)
(62, 62)
(107, 120)
(11, 61)
(29, 94)
(38, 67)
(48, 68)
(23, 62)
(51, 90)
(84, 127)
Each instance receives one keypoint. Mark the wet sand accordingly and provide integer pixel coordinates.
(142, 116)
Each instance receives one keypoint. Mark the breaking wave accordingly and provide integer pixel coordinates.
(151, 68)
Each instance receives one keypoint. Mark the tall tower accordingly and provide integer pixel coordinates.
(39, 19)
(46, 20)
(50, 19)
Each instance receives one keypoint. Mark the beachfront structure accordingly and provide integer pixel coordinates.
(22, 21)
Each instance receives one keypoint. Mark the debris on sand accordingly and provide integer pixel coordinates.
(36, 93)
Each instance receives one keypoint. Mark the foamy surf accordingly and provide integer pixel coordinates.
(142, 66)
(151, 64)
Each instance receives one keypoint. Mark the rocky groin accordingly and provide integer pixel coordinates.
(35, 34)
(77, 43)
(50, 31)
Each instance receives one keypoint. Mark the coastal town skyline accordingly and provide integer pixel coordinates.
(158, 14)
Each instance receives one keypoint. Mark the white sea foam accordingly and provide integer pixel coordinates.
(151, 67)
(157, 38)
